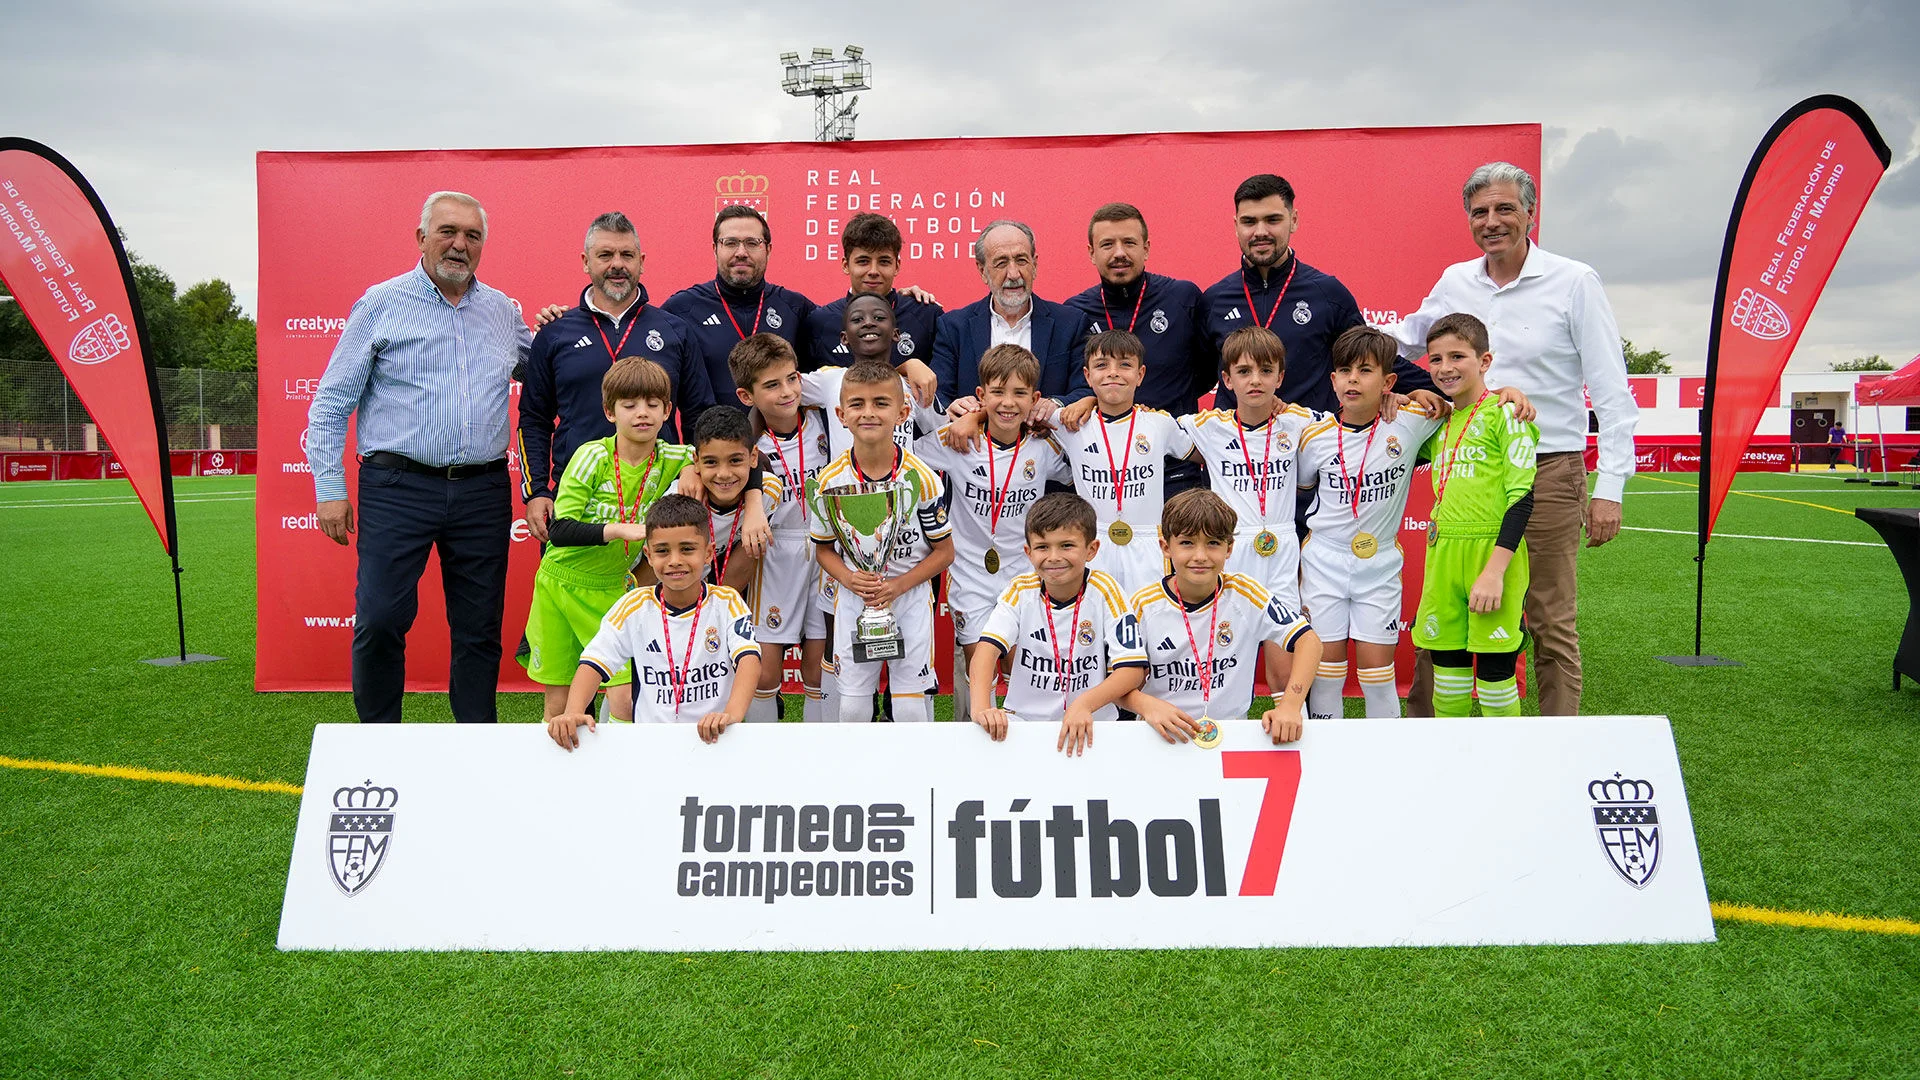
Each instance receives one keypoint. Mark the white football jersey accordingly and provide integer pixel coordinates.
(1331, 456)
(723, 526)
(822, 389)
(1242, 469)
(1102, 639)
(1014, 476)
(1241, 616)
(794, 460)
(1138, 443)
(674, 683)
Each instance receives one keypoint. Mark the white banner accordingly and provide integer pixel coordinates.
(930, 836)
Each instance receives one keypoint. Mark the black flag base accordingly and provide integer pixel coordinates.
(186, 658)
(1676, 661)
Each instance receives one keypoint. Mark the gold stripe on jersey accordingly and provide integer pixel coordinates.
(633, 601)
(1226, 416)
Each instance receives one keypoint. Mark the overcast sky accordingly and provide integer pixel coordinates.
(1650, 111)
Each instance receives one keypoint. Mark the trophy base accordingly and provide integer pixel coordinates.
(878, 649)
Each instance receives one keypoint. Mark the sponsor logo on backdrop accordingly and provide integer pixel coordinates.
(1759, 316)
(300, 466)
(101, 340)
(741, 189)
(300, 389)
(216, 464)
(359, 834)
(1628, 825)
(308, 326)
(301, 523)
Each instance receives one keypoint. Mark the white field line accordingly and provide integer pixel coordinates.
(1744, 536)
(1772, 491)
(57, 504)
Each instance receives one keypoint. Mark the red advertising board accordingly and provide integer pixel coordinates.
(1693, 393)
(940, 192)
(1645, 392)
(82, 466)
(27, 466)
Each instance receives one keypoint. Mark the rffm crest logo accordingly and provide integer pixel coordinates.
(359, 832)
(741, 189)
(1629, 827)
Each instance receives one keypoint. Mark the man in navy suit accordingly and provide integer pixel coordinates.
(1005, 256)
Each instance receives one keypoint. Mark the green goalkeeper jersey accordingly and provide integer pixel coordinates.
(1483, 463)
(590, 491)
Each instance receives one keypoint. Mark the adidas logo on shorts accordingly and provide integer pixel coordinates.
(1499, 634)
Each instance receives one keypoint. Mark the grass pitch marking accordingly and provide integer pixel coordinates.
(1753, 495)
(162, 776)
(64, 503)
(1745, 536)
(1813, 920)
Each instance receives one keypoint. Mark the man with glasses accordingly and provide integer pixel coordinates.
(740, 302)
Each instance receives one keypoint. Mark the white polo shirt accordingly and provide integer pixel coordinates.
(1552, 333)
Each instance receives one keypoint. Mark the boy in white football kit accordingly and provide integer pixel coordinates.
(1249, 452)
(691, 644)
(724, 457)
(1355, 471)
(872, 402)
(1071, 643)
(994, 486)
(1204, 630)
(1118, 457)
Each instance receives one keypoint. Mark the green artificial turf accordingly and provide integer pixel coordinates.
(137, 919)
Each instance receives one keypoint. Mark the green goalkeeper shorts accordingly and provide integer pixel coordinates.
(1443, 621)
(561, 621)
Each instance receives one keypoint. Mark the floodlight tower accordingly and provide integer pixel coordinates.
(824, 78)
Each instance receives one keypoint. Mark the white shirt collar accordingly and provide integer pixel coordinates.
(993, 314)
(611, 317)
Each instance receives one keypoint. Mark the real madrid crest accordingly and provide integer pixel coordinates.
(713, 639)
(774, 320)
(1302, 314)
(905, 344)
(359, 832)
(1159, 321)
(1030, 470)
(1086, 633)
(1393, 447)
(1141, 445)
(773, 618)
(1225, 635)
(655, 341)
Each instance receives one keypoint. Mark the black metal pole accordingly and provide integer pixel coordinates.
(179, 609)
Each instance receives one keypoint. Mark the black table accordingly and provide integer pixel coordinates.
(1900, 528)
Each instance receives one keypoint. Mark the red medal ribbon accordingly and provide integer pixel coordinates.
(1213, 615)
(1440, 480)
(679, 678)
(996, 495)
(759, 307)
(620, 489)
(1353, 494)
(613, 351)
(1253, 312)
(794, 485)
(1266, 461)
(733, 533)
(1131, 323)
(891, 473)
(1118, 473)
(1063, 676)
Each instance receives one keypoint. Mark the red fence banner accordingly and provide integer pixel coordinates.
(1387, 239)
(1803, 192)
(63, 261)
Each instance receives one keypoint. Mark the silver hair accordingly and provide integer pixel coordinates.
(980, 242)
(438, 197)
(1500, 172)
(613, 221)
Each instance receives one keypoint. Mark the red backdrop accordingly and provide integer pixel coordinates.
(1380, 208)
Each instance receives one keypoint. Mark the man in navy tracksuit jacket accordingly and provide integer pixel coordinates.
(740, 302)
(570, 358)
(1307, 308)
(1163, 312)
(870, 257)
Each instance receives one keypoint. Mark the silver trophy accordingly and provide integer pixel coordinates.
(867, 518)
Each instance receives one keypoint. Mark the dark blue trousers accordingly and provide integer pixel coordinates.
(402, 516)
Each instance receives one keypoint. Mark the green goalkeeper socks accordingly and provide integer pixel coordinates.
(1452, 691)
(1496, 698)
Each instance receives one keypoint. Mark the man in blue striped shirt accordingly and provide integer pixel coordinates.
(426, 359)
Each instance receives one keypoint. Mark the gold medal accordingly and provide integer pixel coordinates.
(992, 560)
(1364, 545)
(1121, 533)
(1433, 534)
(1266, 543)
(1208, 736)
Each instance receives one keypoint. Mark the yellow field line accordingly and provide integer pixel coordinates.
(162, 776)
(1813, 920)
(1736, 912)
(1751, 495)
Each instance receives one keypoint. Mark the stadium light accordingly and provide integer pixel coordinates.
(825, 78)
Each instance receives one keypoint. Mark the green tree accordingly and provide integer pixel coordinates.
(217, 335)
(1863, 363)
(1645, 361)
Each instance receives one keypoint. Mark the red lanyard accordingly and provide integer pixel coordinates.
(997, 495)
(891, 473)
(1063, 675)
(620, 488)
(613, 351)
(679, 678)
(1266, 462)
(733, 533)
(1453, 459)
(1253, 313)
(1119, 472)
(759, 307)
(1136, 306)
(1206, 670)
(794, 482)
(1353, 492)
